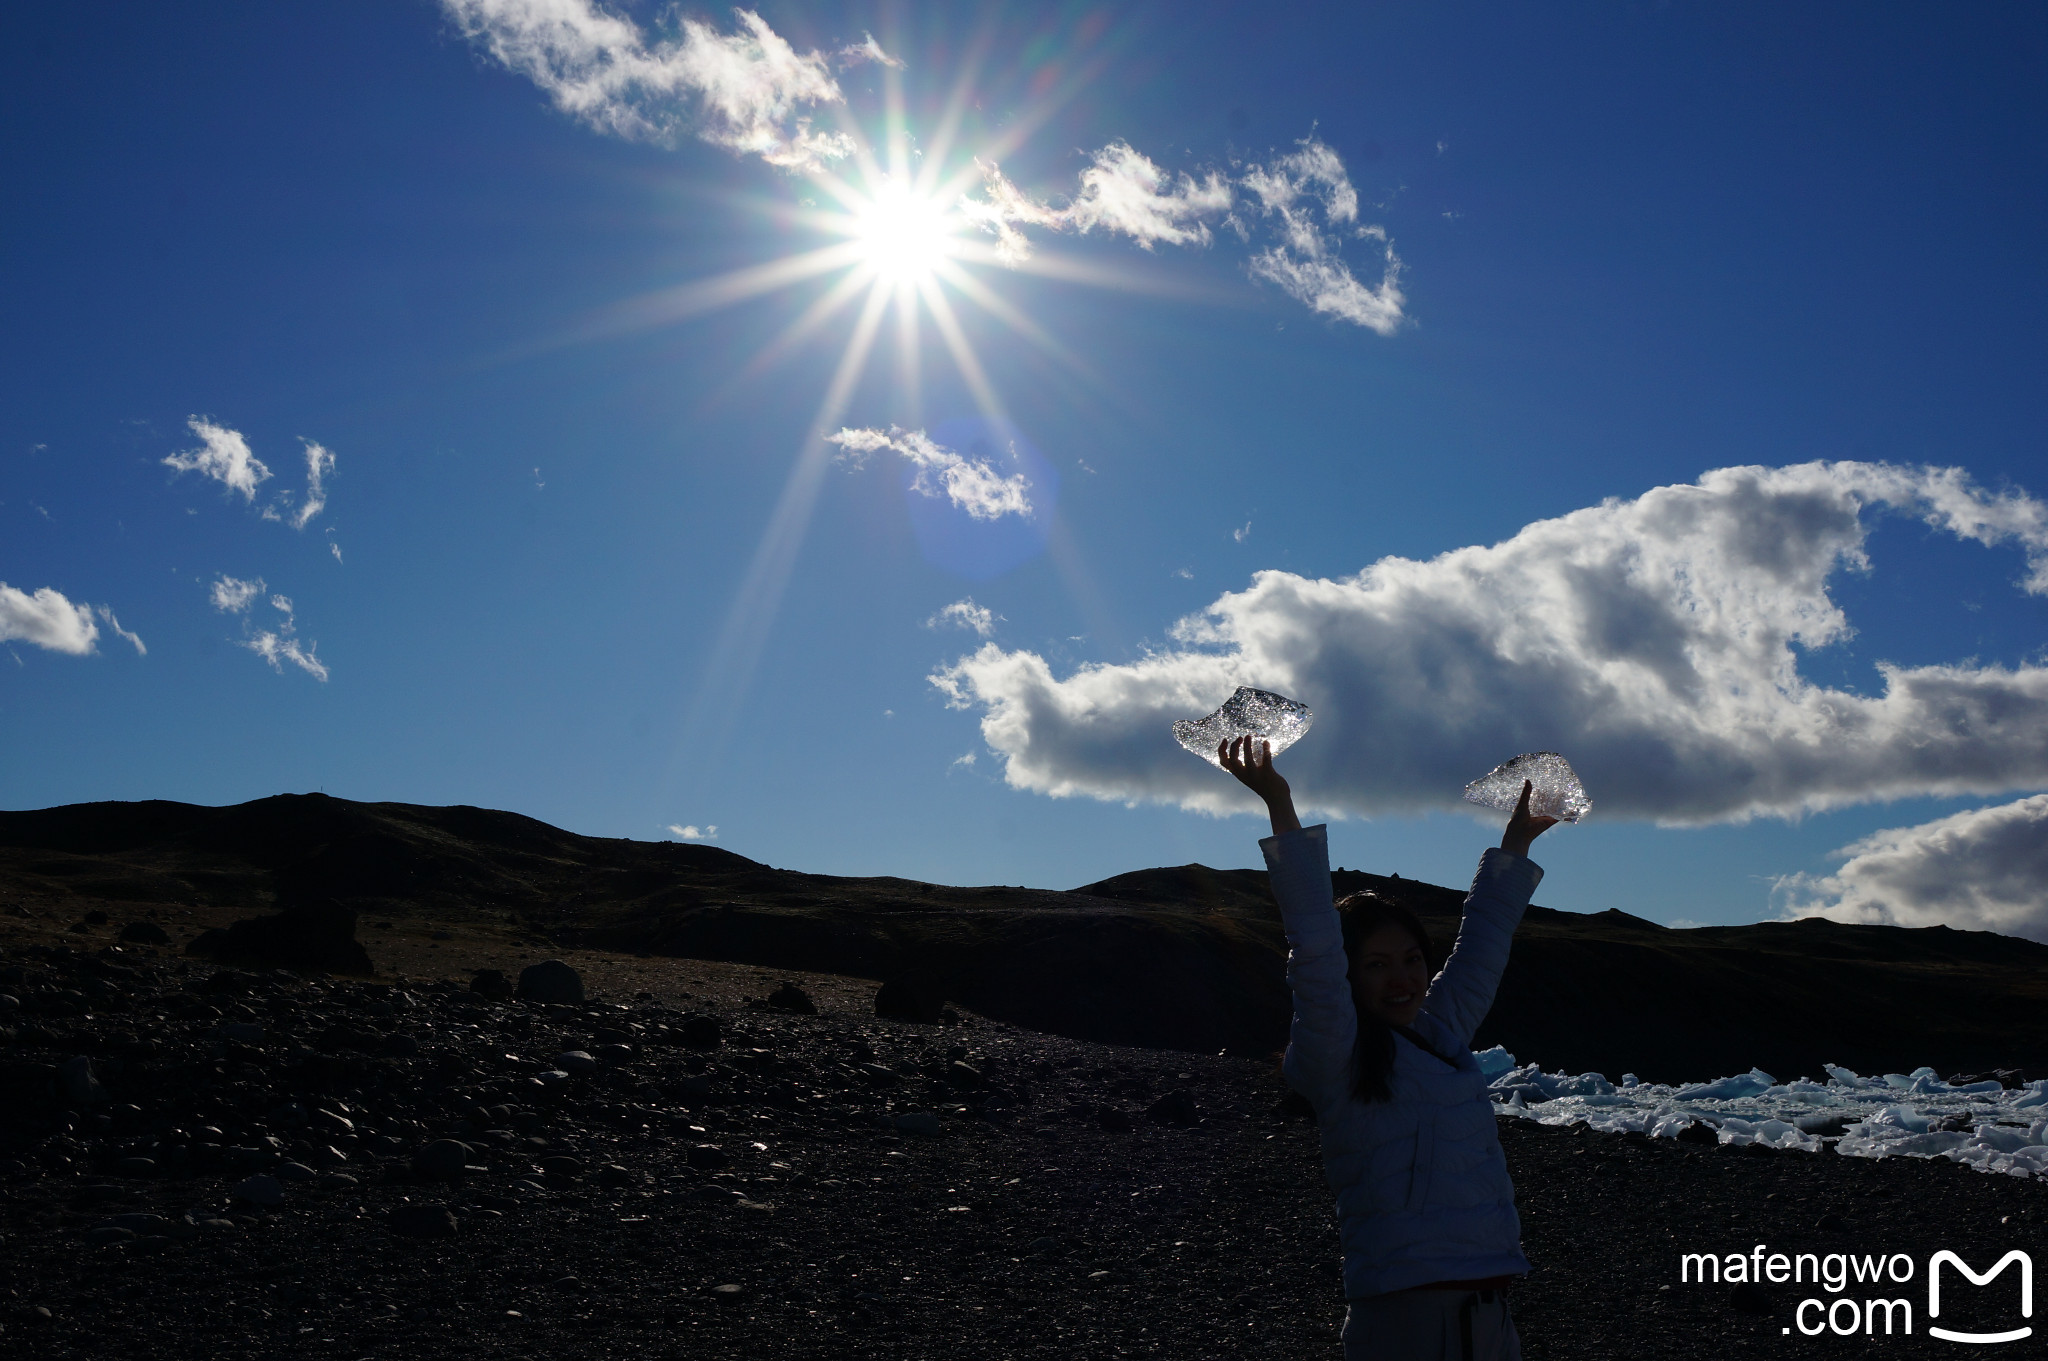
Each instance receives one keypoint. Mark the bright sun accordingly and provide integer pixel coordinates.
(904, 236)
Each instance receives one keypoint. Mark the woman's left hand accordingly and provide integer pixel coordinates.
(1525, 826)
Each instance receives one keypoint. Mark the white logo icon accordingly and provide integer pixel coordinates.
(1934, 1294)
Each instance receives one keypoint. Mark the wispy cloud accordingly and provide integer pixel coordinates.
(1656, 642)
(48, 620)
(1309, 199)
(277, 645)
(281, 646)
(232, 595)
(693, 833)
(972, 484)
(1297, 209)
(746, 91)
(115, 624)
(1980, 870)
(978, 619)
(319, 467)
(222, 455)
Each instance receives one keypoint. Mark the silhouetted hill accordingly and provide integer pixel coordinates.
(1186, 957)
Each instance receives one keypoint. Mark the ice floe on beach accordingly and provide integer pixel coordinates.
(1991, 1127)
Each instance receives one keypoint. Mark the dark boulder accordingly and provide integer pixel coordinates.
(491, 983)
(318, 935)
(791, 998)
(905, 999)
(423, 1221)
(551, 980)
(1175, 1108)
(144, 933)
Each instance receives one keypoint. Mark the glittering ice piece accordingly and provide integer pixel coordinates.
(1557, 792)
(1248, 713)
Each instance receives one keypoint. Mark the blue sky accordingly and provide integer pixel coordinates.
(585, 551)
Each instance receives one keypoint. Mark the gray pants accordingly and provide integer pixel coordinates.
(1432, 1325)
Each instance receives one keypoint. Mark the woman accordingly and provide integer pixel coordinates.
(1425, 1209)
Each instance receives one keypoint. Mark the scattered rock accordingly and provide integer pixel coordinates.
(144, 933)
(1177, 1107)
(1699, 1132)
(259, 1190)
(612, 1175)
(491, 983)
(441, 1160)
(136, 1167)
(77, 1084)
(918, 1122)
(791, 998)
(613, 1054)
(702, 1032)
(1115, 1119)
(551, 980)
(423, 1221)
(903, 999)
(294, 1172)
(242, 1032)
(107, 1234)
(708, 1157)
(562, 1165)
(576, 1063)
(963, 1074)
(727, 1294)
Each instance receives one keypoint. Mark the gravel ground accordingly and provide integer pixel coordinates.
(757, 1194)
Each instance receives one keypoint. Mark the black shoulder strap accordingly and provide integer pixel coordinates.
(1424, 1045)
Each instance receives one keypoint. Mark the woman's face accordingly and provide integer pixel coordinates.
(1390, 975)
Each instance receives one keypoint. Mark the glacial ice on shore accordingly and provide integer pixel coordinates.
(1916, 1114)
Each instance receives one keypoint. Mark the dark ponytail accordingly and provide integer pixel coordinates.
(1372, 1056)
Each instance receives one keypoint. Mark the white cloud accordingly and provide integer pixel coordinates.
(133, 640)
(969, 483)
(232, 595)
(965, 760)
(1242, 534)
(222, 455)
(1981, 870)
(280, 647)
(1294, 192)
(1653, 641)
(1303, 204)
(1122, 191)
(967, 615)
(319, 464)
(742, 91)
(695, 833)
(867, 49)
(48, 620)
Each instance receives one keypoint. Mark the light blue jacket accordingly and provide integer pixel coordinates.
(1422, 1188)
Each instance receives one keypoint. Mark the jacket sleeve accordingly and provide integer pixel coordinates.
(1462, 992)
(1463, 989)
(1319, 1043)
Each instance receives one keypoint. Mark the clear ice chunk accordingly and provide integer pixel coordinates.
(1556, 793)
(1248, 713)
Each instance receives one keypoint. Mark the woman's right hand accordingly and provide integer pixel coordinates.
(1252, 763)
